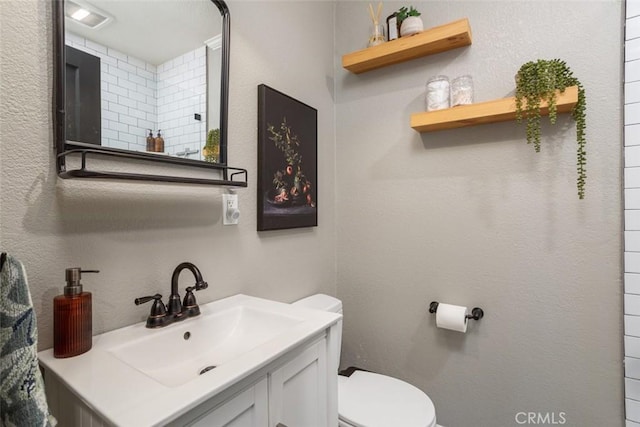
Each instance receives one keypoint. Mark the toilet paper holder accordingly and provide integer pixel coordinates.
(476, 312)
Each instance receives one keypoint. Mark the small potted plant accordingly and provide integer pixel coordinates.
(538, 81)
(211, 150)
(409, 21)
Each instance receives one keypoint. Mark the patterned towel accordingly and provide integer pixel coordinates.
(22, 399)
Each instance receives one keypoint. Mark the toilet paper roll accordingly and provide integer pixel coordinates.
(452, 317)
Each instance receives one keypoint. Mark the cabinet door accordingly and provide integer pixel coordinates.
(247, 409)
(298, 390)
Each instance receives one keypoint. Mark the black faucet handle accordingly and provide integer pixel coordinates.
(189, 306)
(143, 300)
(158, 316)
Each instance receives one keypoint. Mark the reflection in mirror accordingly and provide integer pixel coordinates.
(145, 76)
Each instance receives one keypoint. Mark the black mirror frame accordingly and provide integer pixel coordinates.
(64, 148)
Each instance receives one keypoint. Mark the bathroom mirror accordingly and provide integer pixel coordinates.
(142, 79)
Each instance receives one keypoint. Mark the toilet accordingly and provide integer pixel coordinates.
(366, 399)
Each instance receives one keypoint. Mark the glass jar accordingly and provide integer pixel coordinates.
(437, 96)
(377, 35)
(462, 91)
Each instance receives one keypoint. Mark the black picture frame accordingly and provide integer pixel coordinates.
(287, 162)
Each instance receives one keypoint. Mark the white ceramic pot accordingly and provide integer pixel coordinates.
(410, 26)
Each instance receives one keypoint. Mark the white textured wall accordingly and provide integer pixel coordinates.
(475, 217)
(137, 233)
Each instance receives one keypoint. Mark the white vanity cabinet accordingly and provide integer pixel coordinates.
(292, 393)
(275, 365)
(248, 409)
(298, 390)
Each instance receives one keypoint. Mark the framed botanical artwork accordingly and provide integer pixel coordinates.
(287, 162)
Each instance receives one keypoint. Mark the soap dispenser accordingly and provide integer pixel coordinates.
(151, 142)
(159, 143)
(72, 322)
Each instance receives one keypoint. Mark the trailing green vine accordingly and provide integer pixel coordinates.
(538, 81)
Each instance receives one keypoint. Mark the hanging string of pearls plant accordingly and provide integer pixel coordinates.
(538, 81)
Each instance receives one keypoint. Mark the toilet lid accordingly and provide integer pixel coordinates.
(366, 399)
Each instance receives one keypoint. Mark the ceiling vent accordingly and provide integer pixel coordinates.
(85, 14)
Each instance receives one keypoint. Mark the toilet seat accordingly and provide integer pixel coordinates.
(366, 399)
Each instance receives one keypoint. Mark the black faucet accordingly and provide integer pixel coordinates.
(161, 316)
(174, 308)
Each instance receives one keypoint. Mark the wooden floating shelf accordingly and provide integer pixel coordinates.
(499, 110)
(434, 40)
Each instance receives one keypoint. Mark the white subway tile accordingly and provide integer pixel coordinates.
(116, 54)
(138, 114)
(632, 388)
(632, 346)
(137, 62)
(145, 74)
(127, 137)
(632, 92)
(632, 367)
(110, 115)
(132, 86)
(632, 28)
(116, 143)
(632, 219)
(632, 326)
(631, 114)
(632, 135)
(152, 68)
(109, 134)
(632, 283)
(632, 198)
(106, 59)
(632, 304)
(117, 72)
(632, 50)
(632, 71)
(133, 78)
(633, 8)
(118, 90)
(149, 92)
(137, 96)
(96, 46)
(632, 241)
(129, 120)
(117, 126)
(138, 147)
(118, 108)
(632, 262)
(108, 78)
(631, 424)
(632, 177)
(124, 100)
(632, 156)
(146, 107)
(145, 124)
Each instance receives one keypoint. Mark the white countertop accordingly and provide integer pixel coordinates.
(125, 396)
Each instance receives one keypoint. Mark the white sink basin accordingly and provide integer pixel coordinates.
(177, 354)
(135, 376)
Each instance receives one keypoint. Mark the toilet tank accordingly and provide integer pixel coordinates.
(325, 303)
(321, 302)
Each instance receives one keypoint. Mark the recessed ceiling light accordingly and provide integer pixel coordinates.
(85, 14)
(80, 14)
